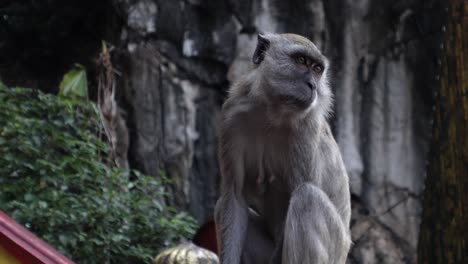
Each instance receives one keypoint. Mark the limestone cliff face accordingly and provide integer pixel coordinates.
(180, 56)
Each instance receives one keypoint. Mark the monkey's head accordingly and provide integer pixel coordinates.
(292, 73)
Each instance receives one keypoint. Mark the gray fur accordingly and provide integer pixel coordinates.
(284, 189)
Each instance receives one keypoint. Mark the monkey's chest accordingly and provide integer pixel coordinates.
(273, 170)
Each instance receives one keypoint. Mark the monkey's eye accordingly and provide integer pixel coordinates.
(301, 60)
(318, 69)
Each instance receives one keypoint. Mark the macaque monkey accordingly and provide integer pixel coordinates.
(284, 188)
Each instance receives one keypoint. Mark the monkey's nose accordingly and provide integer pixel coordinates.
(311, 86)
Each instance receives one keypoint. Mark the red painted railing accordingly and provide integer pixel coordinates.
(25, 246)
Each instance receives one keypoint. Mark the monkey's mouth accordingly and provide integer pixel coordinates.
(301, 98)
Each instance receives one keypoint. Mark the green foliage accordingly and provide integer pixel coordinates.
(74, 83)
(52, 180)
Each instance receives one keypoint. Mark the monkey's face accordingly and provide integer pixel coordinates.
(293, 71)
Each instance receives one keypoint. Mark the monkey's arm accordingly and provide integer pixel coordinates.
(231, 212)
(231, 225)
(338, 185)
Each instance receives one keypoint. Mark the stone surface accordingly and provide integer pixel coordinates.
(168, 108)
(373, 242)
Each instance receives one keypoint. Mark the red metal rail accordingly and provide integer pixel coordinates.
(25, 246)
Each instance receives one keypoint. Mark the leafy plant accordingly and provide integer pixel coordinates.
(74, 83)
(52, 180)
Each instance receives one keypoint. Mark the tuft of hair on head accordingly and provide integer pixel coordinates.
(298, 38)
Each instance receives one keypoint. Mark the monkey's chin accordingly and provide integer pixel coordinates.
(314, 98)
(304, 104)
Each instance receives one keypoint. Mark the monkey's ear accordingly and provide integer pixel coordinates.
(262, 46)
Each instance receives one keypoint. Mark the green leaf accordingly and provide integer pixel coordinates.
(74, 83)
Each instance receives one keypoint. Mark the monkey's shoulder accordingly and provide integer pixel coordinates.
(241, 116)
(236, 106)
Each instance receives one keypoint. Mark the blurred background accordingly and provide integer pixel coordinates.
(171, 63)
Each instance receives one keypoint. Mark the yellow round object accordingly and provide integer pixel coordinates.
(186, 253)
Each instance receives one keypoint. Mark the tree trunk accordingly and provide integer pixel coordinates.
(444, 228)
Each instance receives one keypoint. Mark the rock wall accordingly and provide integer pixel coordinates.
(178, 58)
